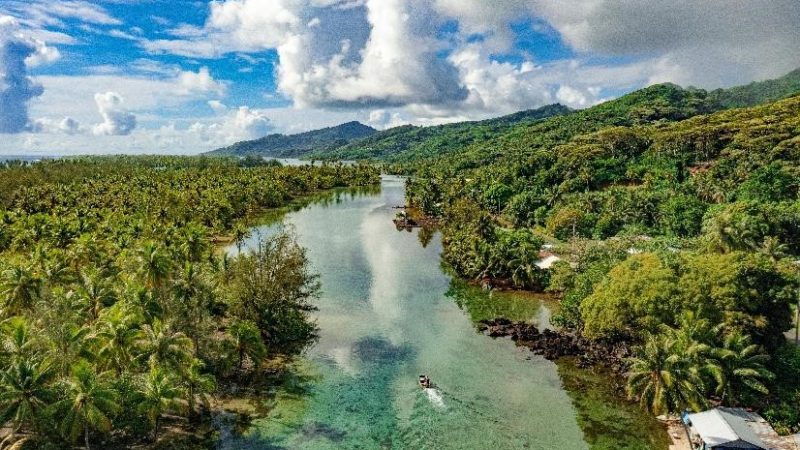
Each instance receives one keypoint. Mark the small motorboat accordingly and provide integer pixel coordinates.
(425, 382)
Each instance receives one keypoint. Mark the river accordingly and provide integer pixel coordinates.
(388, 313)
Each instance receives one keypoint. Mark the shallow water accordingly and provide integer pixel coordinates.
(386, 315)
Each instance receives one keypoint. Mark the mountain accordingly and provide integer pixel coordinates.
(298, 145)
(410, 141)
(759, 92)
(658, 104)
(473, 142)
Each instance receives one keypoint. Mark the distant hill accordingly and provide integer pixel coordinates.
(420, 142)
(298, 145)
(758, 92)
(547, 125)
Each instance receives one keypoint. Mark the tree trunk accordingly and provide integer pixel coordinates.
(86, 435)
(155, 431)
(191, 401)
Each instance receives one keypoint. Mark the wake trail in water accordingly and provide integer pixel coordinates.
(435, 397)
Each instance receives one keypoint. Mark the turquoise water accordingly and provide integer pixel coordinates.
(385, 317)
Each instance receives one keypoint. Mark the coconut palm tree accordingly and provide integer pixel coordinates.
(773, 248)
(20, 288)
(88, 404)
(160, 345)
(664, 377)
(197, 384)
(115, 335)
(247, 340)
(155, 265)
(25, 391)
(740, 368)
(160, 393)
(18, 340)
(95, 294)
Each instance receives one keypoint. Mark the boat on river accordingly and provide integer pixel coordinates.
(425, 382)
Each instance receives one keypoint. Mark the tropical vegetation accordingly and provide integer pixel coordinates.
(662, 204)
(119, 311)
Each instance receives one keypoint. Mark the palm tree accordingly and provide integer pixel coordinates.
(96, 294)
(116, 333)
(155, 265)
(18, 341)
(740, 368)
(664, 377)
(69, 343)
(25, 391)
(194, 243)
(160, 393)
(773, 248)
(162, 346)
(247, 340)
(88, 404)
(197, 384)
(19, 289)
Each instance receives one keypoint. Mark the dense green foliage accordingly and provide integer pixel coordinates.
(116, 309)
(409, 142)
(299, 145)
(758, 92)
(664, 205)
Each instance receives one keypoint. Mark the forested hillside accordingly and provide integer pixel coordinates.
(678, 221)
(408, 142)
(758, 92)
(298, 145)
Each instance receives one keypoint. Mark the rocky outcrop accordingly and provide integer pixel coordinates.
(554, 344)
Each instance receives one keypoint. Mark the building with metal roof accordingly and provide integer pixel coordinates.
(725, 429)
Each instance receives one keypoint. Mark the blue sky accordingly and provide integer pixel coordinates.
(158, 76)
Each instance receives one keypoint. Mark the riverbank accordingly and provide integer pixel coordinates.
(607, 418)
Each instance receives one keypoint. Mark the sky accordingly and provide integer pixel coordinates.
(183, 76)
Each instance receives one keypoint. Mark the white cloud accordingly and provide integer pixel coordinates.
(159, 88)
(384, 119)
(43, 13)
(67, 125)
(200, 82)
(217, 106)
(239, 125)
(16, 87)
(117, 121)
(379, 52)
(707, 43)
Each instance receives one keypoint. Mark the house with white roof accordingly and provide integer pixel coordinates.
(733, 428)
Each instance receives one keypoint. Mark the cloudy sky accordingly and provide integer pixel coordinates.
(181, 76)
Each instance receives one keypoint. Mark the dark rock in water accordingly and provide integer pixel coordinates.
(552, 344)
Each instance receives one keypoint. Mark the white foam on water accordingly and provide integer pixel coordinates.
(435, 397)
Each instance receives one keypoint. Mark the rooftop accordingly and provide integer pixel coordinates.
(737, 428)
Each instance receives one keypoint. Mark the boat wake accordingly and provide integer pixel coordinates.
(435, 397)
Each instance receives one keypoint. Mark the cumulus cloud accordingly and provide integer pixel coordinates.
(334, 54)
(708, 43)
(67, 125)
(16, 87)
(389, 53)
(383, 119)
(238, 125)
(116, 120)
(190, 82)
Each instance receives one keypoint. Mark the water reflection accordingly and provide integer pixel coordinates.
(384, 318)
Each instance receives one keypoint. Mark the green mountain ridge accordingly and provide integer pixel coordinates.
(421, 142)
(758, 92)
(664, 102)
(298, 145)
